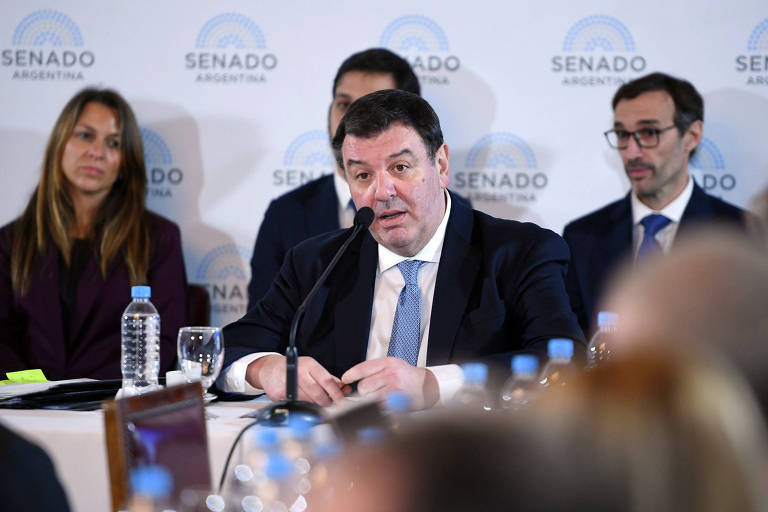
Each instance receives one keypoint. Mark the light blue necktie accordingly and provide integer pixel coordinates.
(652, 224)
(405, 340)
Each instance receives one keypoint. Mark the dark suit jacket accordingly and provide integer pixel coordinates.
(500, 288)
(32, 336)
(307, 211)
(27, 477)
(601, 240)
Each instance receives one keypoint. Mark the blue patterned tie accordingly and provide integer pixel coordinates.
(406, 329)
(652, 224)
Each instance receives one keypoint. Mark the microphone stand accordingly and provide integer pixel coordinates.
(281, 412)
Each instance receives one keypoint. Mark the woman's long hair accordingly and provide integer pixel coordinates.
(120, 227)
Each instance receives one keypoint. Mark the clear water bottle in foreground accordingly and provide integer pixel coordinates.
(472, 393)
(521, 388)
(558, 369)
(600, 348)
(140, 338)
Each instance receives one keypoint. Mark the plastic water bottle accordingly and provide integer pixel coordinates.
(521, 388)
(327, 449)
(472, 393)
(558, 369)
(599, 349)
(280, 472)
(140, 338)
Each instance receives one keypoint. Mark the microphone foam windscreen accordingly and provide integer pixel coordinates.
(364, 217)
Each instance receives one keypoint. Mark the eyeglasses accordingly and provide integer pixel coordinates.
(645, 137)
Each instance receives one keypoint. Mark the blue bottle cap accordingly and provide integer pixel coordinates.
(370, 435)
(141, 292)
(328, 449)
(560, 348)
(265, 438)
(152, 481)
(475, 372)
(300, 427)
(525, 363)
(278, 467)
(607, 318)
(398, 402)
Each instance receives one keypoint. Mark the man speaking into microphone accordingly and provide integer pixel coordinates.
(431, 284)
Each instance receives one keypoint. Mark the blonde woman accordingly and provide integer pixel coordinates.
(68, 262)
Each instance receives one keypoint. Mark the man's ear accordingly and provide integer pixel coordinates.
(442, 162)
(692, 136)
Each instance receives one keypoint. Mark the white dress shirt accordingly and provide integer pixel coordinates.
(388, 283)
(346, 212)
(673, 211)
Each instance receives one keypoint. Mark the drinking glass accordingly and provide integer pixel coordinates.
(201, 355)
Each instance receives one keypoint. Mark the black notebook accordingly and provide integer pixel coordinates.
(76, 396)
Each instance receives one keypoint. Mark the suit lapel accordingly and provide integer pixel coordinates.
(456, 275)
(614, 244)
(698, 208)
(353, 309)
(321, 214)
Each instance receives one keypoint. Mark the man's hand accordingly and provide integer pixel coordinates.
(380, 377)
(315, 383)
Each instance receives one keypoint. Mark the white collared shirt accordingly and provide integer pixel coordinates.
(388, 283)
(673, 211)
(345, 211)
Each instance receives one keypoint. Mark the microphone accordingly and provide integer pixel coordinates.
(279, 413)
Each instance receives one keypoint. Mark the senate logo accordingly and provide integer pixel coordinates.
(223, 273)
(598, 50)
(308, 157)
(230, 49)
(501, 167)
(754, 63)
(707, 166)
(162, 175)
(47, 46)
(423, 43)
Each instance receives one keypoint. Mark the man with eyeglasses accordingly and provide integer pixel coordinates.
(657, 125)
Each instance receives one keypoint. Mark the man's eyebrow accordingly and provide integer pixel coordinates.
(341, 95)
(400, 153)
(644, 122)
(351, 162)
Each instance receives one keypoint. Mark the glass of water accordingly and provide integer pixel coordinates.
(201, 355)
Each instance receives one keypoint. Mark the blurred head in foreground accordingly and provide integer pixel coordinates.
(710, 294)
(644, 433)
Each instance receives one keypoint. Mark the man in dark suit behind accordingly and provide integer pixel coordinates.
(432, 283)
(323, 204)
(658, 123)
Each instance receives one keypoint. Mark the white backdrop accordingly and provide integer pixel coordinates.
(232, 99)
